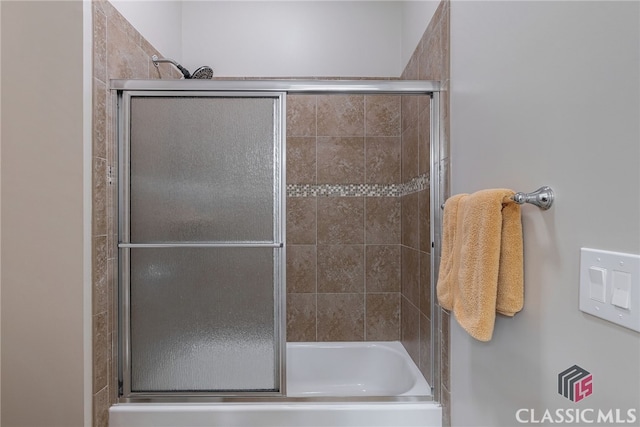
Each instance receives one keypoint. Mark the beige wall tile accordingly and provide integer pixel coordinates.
(100, 275)
(382, 268)
(424, 102)
(425, 284)
(410, 259)
(382, 160)
(301, 115)
(410, 72)
(340, 268)
(383, 317)
(444, 119)
(301, 317)
(410, 221)
(101, 351)
(99, 5)
(340, 115)
(424, 135)
(444, 41)
(340, 160)
(125, 58)
(301, 160)
(99, 197)
(382, 220)
(101, 408)
(410, 329)
(99, 119)
(340, 317)
(341, 220)
(410, 154)
(301, 220)
(99, 43)
(114, 16)
(301, 268)
(425, 348)
(424, 221)
(429, 64)
(382, 115)
(410, 110)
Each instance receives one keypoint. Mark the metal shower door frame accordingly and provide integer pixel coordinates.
(437, 180)
(123, 115)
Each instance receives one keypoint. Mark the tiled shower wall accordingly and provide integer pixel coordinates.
(416, 240)
(119, 52)
(343, 252)
(430, 61)
(358, 205)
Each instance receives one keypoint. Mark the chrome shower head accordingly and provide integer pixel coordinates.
(204, 72)
(201, 73)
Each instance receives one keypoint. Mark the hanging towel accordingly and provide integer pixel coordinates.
(481, 267)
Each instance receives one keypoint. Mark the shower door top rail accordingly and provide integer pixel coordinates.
(203, 245)
(406, 87)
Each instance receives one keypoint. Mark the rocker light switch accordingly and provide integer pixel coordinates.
(621, 283)
(597, 283)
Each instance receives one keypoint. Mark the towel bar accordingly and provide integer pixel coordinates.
(543, 198)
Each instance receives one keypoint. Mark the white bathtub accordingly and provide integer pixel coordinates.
(348, 371)
(352, 369)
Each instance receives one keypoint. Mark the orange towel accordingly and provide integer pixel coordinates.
(481, 267)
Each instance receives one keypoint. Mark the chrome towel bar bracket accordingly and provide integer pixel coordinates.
(543, 198)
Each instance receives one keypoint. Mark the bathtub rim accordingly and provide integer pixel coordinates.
(347, 414)
(165, 398)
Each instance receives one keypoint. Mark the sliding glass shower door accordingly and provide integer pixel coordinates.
(201, 243)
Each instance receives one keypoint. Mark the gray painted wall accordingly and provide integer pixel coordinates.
(382, 34)
(548, 93)
(43, 252)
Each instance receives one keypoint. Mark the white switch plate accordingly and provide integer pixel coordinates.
(617, 266)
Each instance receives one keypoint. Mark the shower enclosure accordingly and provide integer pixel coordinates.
(202, 234)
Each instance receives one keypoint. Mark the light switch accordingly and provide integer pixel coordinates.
(597, 283)
(610, 286)
(621, 283)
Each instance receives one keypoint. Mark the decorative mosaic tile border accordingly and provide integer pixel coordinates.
(416, 184)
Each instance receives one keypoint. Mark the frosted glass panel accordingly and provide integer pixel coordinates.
(202, 169)
(202, 319)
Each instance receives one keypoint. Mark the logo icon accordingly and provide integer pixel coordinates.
(575, 383)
